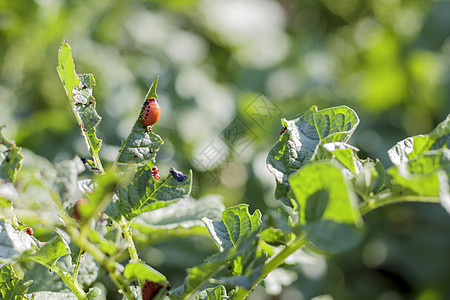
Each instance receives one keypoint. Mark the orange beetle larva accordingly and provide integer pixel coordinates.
(151, 113)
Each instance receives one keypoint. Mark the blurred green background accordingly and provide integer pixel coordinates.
(229, 70)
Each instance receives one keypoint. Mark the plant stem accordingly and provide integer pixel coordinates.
(108, 264)
(98, 162)
(73, 285)
(125, 225)
(379, 202)
(77, 265)
(273, 263)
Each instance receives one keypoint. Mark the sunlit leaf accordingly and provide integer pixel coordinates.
(141, 145)
(324, 185)
(51, 251)
(236, 223)
(420, 175)
(368, 176)
(298, 143)
(412, 147)
(79, 91)
(235, 228)
(140, 270)
(144, 193)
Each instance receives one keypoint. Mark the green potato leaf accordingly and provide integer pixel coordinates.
(235, 225)
(297, 145)
(141, 145)
(322, 192)
(199, 275)
(78, 89)
(144, 193)
(235, 228)
(11, 286)
(413, 147)
(140, 270)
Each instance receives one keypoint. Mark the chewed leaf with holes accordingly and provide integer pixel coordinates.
(10, 158)
(79, 91)
(141, 144)
(144, 193)
(298, 143)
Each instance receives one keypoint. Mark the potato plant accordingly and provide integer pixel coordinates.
(61, 225)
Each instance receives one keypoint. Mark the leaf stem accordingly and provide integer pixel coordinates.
(273, 263)
(379, 202)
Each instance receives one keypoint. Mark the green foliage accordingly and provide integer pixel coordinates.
(145, 193)
(141, 145)
(142, 271)
(10, 158)
(79, 91)
(216, 293)
(419, 160)
(11, 286)
(102, 218)
(302, 137)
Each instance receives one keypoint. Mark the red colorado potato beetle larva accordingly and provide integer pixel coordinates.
(155, 173)
(150, 289)
(152, 112)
